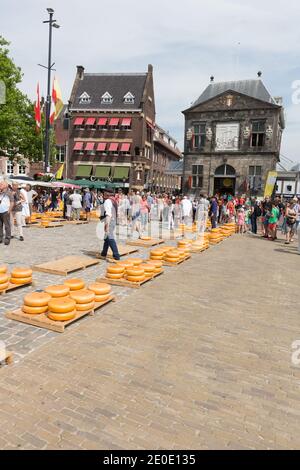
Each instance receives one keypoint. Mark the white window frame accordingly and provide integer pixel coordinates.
(129, 98)
(84, 98)
(23, 166)
(9, 164)
(106, 98)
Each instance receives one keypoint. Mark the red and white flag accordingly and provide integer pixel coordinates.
(37, 110)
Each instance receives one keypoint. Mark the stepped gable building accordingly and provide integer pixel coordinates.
(232, 138)
(112, 128)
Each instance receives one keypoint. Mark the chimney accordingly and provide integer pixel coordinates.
(212, 78)
(259, 74)
(80, 72)
(150, 68)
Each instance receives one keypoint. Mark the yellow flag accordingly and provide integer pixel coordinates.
(270, 183)
(57, 98)
(59, 173)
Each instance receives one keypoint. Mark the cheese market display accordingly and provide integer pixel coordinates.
(60, 309)
(102, 291)
(20, 276)
(36, 303)
(75, 284)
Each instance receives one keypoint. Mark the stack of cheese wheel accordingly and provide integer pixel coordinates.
(33, 218)
(148, 268)
(226, 231)
(20, 276)
(157, 265)
(58, 292)
(201, 243)
(135, 261)
(4, 278)
(75, 284)
(184, 243)
(182, 253)
(135, 274)
(215, 236)
(115, 272)
(36, 303)
(157, 254)
(146, 239)
(102, 291)
(173, 256)
(61, 309)
(195, 228)
(85, 300)
(125, 264)
(45, 221)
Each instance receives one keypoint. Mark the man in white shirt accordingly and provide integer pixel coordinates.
(187, 208)
(110, 222)
(31, 196)
(76, 200)
(6, 205)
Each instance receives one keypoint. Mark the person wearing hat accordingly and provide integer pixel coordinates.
(110, 222)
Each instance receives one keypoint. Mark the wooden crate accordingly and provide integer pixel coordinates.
(145, 243)
(42, 321)
(167, 263)
(8, 358)
(125, 283)
(66, 265)
(16, 286)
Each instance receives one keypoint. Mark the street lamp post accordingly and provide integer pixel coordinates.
(52, 24)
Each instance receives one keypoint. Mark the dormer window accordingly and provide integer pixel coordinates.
(84, 98)
(106, 98)
(129, 98)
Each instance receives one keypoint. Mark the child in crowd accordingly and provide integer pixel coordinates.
(241, 221)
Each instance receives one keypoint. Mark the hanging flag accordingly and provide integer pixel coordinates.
(56, 101)
(270, 183)
(37, 110)
(59, 173)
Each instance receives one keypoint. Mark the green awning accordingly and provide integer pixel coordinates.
(84, 171)
(121, 172)
(102, 171)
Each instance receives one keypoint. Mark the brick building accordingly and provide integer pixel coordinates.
(166, 155)
(232, 138)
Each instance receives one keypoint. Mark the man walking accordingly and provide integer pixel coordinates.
(110, 222)
(6, 204)
(76, 200)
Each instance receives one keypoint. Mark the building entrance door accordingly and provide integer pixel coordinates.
(224, 180)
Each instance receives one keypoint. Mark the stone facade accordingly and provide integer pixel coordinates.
(235, 115)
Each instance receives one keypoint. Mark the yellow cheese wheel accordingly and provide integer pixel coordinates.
(100, 288)
(62, 305)
(102, 298)
(75, 284)
(135, 261)
(157, 258)
(157, 252)
(62, 316)
(114, 276)
(82, 296)
(4, 286)
(156, 263)
(173, 254)
(34, 310)
(4, 278)
(125, 264)
(158, 270)
(148, 268)
(85, 307)
(20, 281)
(37, 299)
(117, 269)
(21, 272)
(135, 271)
(146, 239)
(136, 278)
(172, 260)
(3, 268)
(58, 291)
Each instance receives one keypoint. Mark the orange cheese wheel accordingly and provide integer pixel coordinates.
(58, 291)
(4, 286)
(85, 307)
(117, 269)
(37, 299)
(173, 254)
(156, 263)
(4, 278)
(3, 269)
(114, 276)
(102, 298)
(136, 278)
(75, 284)
(148, 268)
(62, 316)
(159, 270)
(100, 288)
(82, 296)
(157, 252)
(20, 281)
(34, 310)
(135, 271)
(146, 239)
(172, 260)
(125, 264)
(61, 305)
(135, 261)
(157, 258)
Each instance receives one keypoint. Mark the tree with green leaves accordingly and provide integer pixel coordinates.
(18, 136)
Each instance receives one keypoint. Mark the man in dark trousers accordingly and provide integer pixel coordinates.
(6, 205)
(110, 222)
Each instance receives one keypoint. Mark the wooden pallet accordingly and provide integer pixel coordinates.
(123, 251)
(42, 321)
(145, 243)
(8, 358)
(167, 263)
(15, 286)
(76, 222)
(125, 283)
(199, 250)
(51, 225)
(66, 265)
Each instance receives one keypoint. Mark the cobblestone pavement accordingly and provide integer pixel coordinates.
(200, 358)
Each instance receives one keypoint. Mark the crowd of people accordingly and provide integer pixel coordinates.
(137, 209)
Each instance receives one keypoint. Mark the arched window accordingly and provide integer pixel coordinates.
(225, 170)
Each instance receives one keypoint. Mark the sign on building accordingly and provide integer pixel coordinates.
(227, 137)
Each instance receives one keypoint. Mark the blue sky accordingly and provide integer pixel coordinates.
(186, 42)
